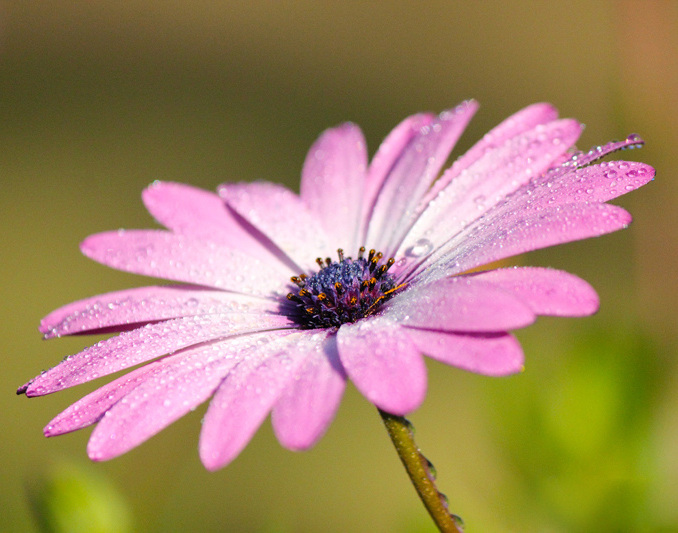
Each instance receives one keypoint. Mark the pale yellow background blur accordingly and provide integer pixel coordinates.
(98, 99)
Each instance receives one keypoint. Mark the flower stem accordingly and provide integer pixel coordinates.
(421, 472)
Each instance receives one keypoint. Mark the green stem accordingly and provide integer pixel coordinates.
(420, 471)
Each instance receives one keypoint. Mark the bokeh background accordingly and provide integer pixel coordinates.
(98, 99)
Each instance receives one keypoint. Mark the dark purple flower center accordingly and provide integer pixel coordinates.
(342, 292)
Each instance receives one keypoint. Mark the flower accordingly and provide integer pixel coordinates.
(284, 297)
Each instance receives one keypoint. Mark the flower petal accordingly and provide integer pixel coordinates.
(166, 255)
(280, 215)
(595, 183)
(307, 406)
(146, 343)
(202, 215)
(169, 393)
(333, 181)
(524, 120)
(384, 364)
(462, 303)
(89, 409)
(546, 291)
(245, 398)
(136, 307)
(491, 354)
(488, 181)
(580, 159)
(412, 175)
(508, 232)
(390, 150)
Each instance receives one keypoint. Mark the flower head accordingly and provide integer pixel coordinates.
(284, 297)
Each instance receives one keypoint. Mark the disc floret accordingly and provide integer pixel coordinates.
(342, 291)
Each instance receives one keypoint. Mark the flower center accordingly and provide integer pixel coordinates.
(342, 292)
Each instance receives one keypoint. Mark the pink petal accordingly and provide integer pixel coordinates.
(168, 394)
(546, 291)
(460, 303)
(202, 215)
(146, 343)
(390, 150)
(524, 120)
(245, 398)
(333, 181)
(175, 257)
(489, 180)
(580, 159)
(384, 364)
(412, 175)
(307, 406)
(89, 409)
(492, 354)
(146, 304)
(596, 183)
(575, 179)
(508, 232)
(280, 215)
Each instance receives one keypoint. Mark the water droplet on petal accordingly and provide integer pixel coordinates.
(420, 248)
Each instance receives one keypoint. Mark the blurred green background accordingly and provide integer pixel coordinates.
(97, 99)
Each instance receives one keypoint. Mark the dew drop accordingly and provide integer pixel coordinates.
(420, 248)
(431, 469)
(458, 519)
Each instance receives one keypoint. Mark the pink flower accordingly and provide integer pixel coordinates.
(239, 330)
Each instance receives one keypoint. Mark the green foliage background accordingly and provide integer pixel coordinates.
(98, 99)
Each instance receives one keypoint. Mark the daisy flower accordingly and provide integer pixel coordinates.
(280, 298)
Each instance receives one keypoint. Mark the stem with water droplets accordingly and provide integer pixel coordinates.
(420, 471)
